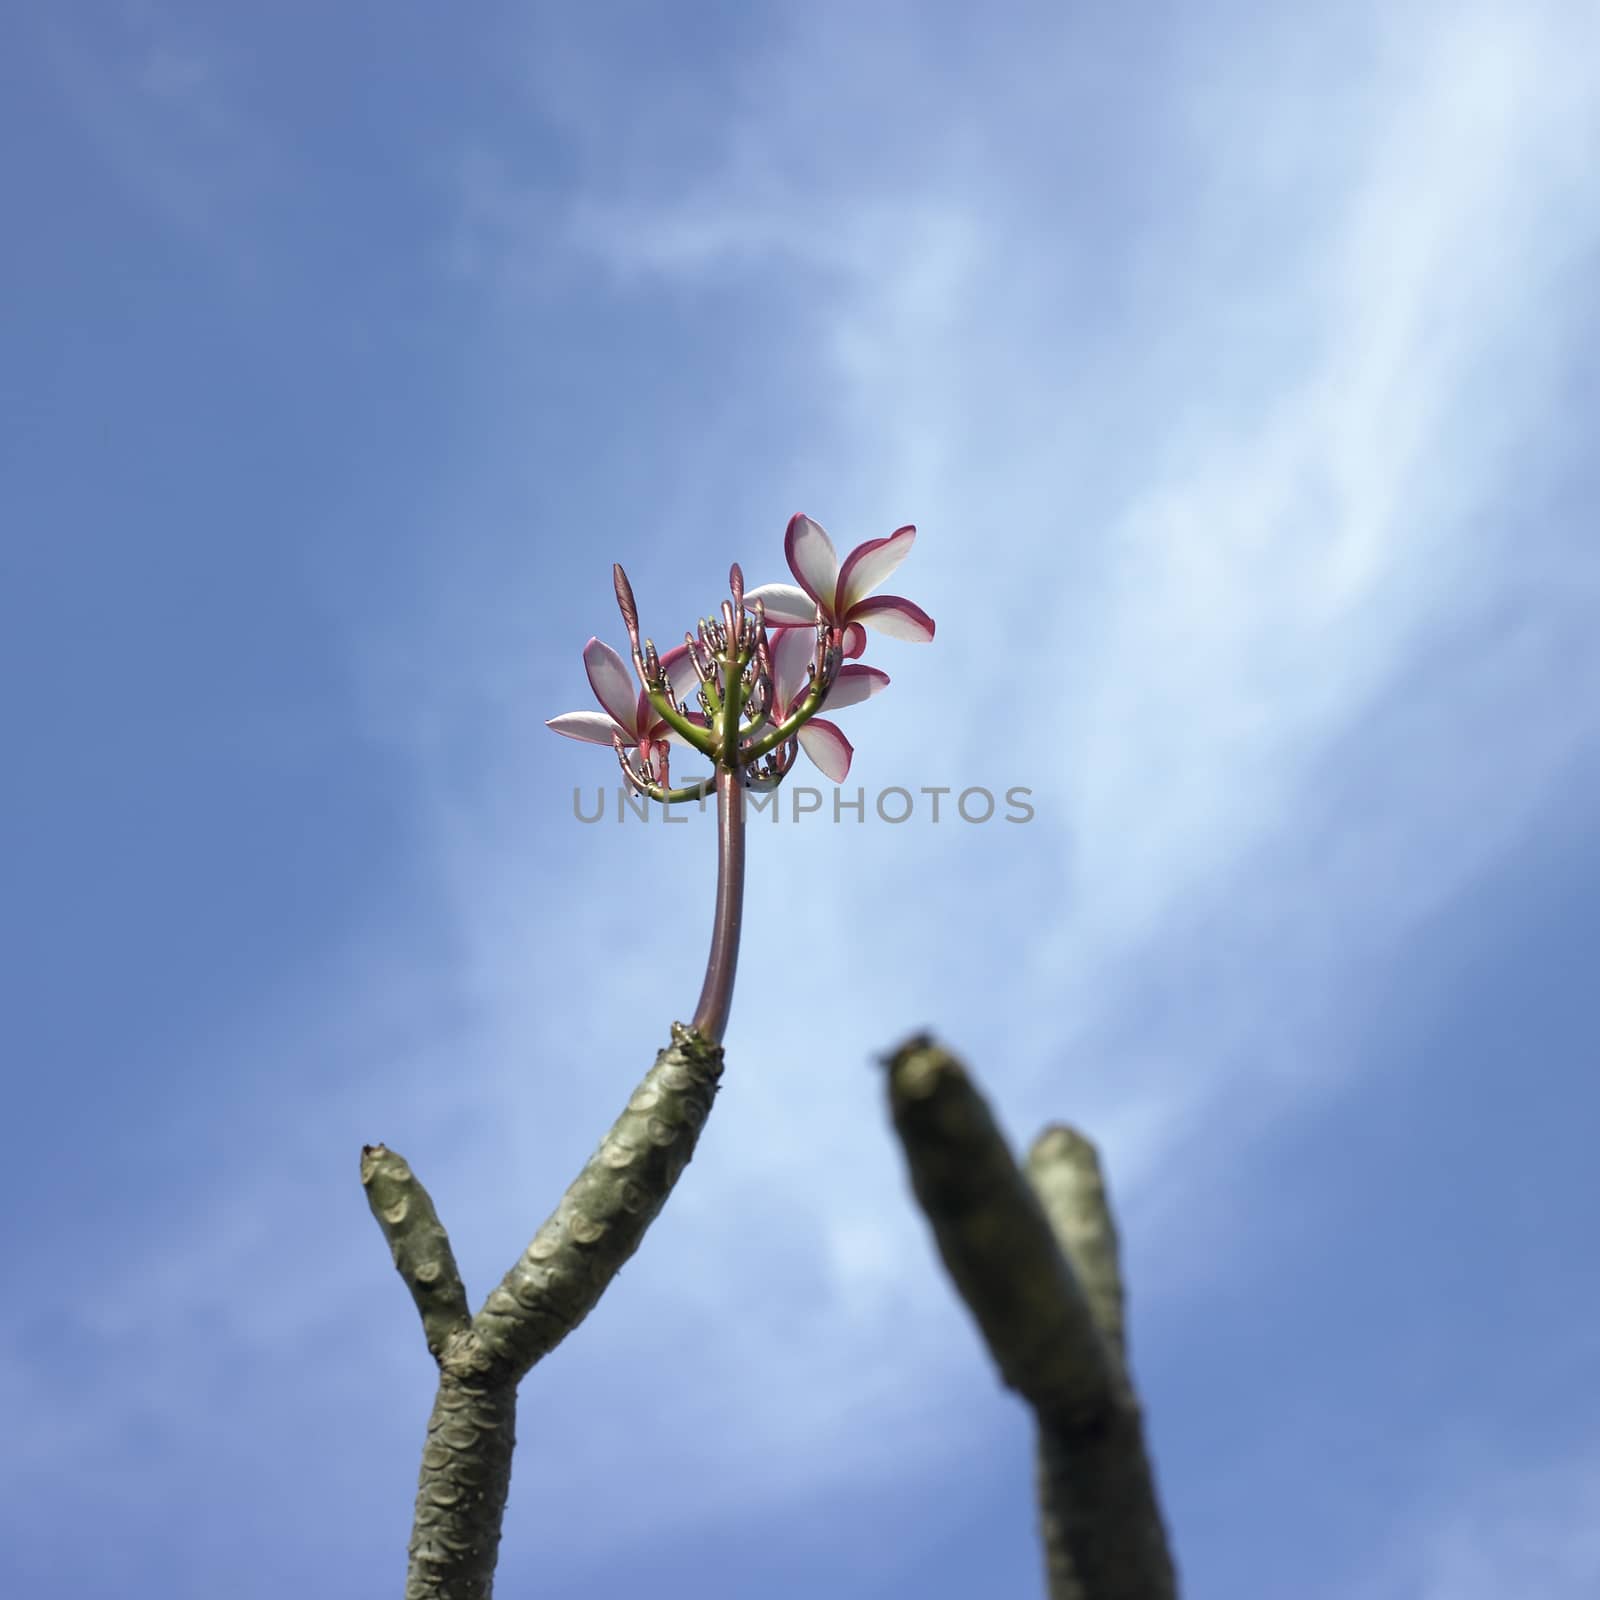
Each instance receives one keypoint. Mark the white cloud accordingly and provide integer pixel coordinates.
(1490, 1528)
(162, 109)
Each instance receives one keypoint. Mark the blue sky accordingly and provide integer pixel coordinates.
(1239, 371)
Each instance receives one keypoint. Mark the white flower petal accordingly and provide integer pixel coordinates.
(613, 686)
(853, 685)
(827, 747)
(812, 559)
(784, 602)
(900, 619)
(871, 563)
(593, 727)
(793, 650)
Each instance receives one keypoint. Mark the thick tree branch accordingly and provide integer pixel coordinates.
(462, 1488)
(418, 1243)
(994, 1236)
(1036, 1263)
(554, 1284)
(1064, 1169)
(1095, 1480)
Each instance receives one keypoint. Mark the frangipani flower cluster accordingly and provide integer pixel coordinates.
(759, 676)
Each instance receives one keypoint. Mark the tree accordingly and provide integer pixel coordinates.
(1032, 1250)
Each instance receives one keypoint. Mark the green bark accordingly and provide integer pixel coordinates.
(1098, 1512)
(554, 1284)
(1064, 1169)
(1034, 1256)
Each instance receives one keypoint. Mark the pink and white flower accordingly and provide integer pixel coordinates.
(843, 591)
(627, 707)
(792, 652)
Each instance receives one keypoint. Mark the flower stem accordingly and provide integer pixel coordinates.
(716, 997)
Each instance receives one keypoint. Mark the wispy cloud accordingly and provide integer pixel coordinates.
(153, 95)
(1492, 1528)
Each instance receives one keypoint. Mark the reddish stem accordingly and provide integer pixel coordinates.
(716, 997)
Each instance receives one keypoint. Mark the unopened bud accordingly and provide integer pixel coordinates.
(625, 603)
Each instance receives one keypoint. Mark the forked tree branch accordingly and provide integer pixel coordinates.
(552, 1287)
(1034, 1255)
